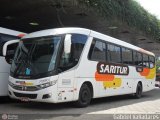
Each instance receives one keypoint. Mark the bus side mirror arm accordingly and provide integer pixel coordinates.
(4, 51)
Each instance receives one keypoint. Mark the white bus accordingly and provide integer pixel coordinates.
(76, 64)
(7, 36)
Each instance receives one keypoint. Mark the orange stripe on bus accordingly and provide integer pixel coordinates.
(104, 77)
(145, 72)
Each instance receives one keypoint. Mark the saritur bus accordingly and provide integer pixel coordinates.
(77, 64)
(7, 37)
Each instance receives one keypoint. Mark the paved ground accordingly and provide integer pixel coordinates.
(148, 104)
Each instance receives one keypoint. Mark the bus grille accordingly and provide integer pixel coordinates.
(25, 88)
(31, 96)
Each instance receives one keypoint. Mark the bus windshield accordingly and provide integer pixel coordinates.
(35, 56)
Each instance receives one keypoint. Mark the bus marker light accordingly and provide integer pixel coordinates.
(21, 35)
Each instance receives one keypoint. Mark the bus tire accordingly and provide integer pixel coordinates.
(139, 91)
(85, 96)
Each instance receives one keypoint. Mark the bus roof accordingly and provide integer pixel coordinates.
(87, 32)
(10, 32)
(57, 31)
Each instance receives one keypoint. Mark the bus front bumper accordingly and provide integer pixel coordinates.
(44, 95)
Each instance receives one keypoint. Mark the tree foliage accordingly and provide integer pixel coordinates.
(128, 11)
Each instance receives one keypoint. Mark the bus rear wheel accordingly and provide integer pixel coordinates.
(139, 90)
(85, 96)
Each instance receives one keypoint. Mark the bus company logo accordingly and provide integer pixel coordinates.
(106, 73)
(24, 88)
(23, 83)
(4, 116)
(111, 68)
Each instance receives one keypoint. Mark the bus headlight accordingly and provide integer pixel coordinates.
(48, 84)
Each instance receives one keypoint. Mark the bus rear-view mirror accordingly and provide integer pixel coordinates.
(5, 46)
(67, 44)
(9, 50)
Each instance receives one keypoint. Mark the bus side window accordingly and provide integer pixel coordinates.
(145, 61)
(151, 62)
(137, 58)
(127, 56)
(114, 53)
(10, 52)
(97, 51)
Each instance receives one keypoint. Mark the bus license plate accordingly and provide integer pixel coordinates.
(25, 99)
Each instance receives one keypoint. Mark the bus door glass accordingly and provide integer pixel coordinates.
(70, 59)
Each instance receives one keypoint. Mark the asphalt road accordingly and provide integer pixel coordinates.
(149, 103)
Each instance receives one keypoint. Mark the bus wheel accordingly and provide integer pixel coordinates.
(84, 96)
(138, 93)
